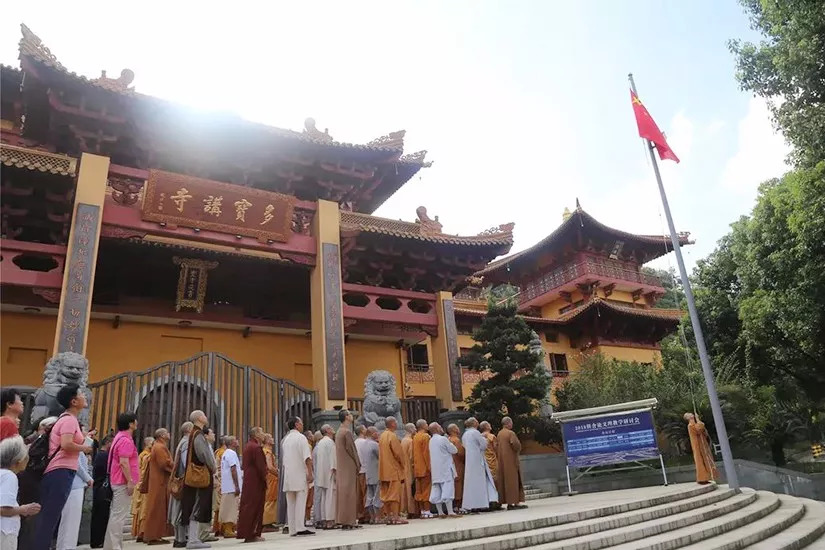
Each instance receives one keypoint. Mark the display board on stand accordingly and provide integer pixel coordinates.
(609, 436)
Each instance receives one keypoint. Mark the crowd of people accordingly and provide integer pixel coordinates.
(328, 479)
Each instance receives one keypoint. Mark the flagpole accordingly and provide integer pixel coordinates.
(718, 419)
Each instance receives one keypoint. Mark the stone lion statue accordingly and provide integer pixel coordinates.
(64, 368)
(380, 400)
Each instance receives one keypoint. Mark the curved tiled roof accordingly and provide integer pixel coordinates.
(42, 161)
(580, 216)
(354, 221)
(32, 46)
(674, 315)
(470, 312)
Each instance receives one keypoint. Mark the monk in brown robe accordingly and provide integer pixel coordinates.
(700, 444)
(421, 468)
(139, 498)
(510, 487)
(347, 466)
(160, 465)
(491, 454)
(454, 435)
(251, 512)
(391, 472)
(408, 504)
(271, 496)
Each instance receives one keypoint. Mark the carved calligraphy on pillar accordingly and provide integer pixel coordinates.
(333, 321)
(78, 282)
(452, 350)
(192, 283)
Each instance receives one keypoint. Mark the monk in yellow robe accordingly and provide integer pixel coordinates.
(491, 453)
(700, 444)
(421, 468)
(271, 496)
(391, 472)
(216, 494)
(139, 498)
(408, 504)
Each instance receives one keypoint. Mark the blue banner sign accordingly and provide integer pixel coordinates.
(610, 439)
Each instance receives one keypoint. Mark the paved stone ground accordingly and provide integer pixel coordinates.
(374, 533)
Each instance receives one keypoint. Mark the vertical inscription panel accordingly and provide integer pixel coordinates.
(78, 282)
(333, 322)
(452, 350)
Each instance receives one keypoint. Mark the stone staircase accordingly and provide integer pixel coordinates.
(535, 493)
(686, 516)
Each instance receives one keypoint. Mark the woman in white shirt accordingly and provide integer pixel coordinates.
(13, 458)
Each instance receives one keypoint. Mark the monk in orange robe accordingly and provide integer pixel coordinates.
(139, 498)
(391, 472)
(491, 454)
(408, 505)
(421, 468)
(160, 465)
(454, 435)
(271, 496)
(700, 444)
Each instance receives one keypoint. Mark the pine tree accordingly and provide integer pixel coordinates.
(517, 383)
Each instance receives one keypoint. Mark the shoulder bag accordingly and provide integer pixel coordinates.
(196, 475)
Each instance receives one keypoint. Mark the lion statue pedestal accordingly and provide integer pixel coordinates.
(64, 368)
(380, 400)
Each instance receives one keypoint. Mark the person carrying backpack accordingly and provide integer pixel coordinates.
(29, 478)
(66, 442)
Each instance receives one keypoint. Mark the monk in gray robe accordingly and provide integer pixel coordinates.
(479, 487)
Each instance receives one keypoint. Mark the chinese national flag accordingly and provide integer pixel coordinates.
(649, 130)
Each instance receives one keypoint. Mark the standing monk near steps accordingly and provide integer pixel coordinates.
(251, 512)
(421, 468)
(391, 472)
(510, 487)
(454, 435)
(408, 505)
(346, 477)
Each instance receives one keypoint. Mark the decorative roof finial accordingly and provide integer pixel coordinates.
(316, 134)
(393, 140)
(30, 44)
(566, 214)
(578, 205)
(119, 84)
(429, 226)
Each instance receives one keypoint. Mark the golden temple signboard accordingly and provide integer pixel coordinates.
(187, 201)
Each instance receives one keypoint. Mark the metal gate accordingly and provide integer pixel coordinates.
(234, 397)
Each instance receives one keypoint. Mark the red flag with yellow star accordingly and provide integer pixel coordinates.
(649, 130)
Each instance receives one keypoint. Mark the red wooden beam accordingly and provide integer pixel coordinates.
(380, 291)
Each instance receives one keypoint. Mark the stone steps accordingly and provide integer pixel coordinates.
(537, 496)
(808, 530)
(533, 538)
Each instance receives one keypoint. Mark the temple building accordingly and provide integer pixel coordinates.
(208, 260)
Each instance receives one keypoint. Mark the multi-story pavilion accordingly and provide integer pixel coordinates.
(143, 234)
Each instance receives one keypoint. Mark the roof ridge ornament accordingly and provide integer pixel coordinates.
(498, 230)
(119, 84)
(417, 157)
(429, 226)
(393, 140)
(313, 132)
(31, 44)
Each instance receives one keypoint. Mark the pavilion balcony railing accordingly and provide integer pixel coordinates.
(416, 373)
(412, 408)
(556, 278)
(388, 305)
(31, 264)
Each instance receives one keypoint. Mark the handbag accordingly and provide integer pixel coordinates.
(196, 475)
(106, 493)
(175, 482)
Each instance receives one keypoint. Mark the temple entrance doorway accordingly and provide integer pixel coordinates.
(234, 397)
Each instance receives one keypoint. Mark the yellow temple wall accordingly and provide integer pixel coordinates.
(623, 353)
(365, 356)
(27, 342)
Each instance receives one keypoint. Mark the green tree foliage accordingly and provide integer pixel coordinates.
(674, 295)
(787, 69)
(518, 381)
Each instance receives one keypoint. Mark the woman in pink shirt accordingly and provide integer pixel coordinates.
(123, 476)
(66, 442)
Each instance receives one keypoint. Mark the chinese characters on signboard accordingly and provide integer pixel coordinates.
(192, 283)
(333, 322)
(610, 439)
(79, 265)
(451, 335)
(179, 200)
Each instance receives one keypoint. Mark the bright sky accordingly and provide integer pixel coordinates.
(523, 105)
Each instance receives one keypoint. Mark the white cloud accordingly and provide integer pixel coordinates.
(760, 155)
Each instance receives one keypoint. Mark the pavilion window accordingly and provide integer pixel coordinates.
(558, 363)
(417, 358)
(551, 336)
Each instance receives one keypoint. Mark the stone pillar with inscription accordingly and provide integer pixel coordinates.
(328, 360)
(81, 255)
(445, 354)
